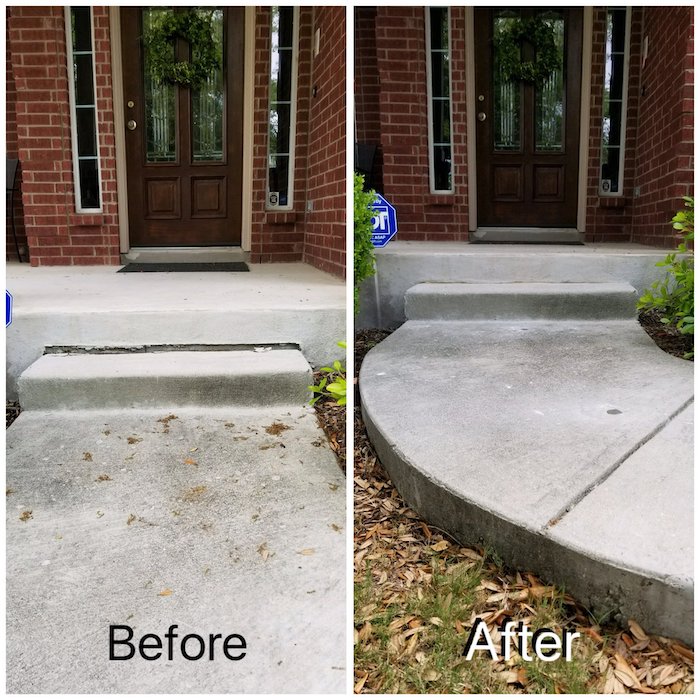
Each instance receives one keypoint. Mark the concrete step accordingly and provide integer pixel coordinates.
(242, 378)
(526, 300)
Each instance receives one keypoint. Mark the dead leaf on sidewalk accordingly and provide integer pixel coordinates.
(104, 477)
(130, 519)
(191, 461)
(87, 457)
(307, 552)
(26, 515)
(165, 592)
(264, 552)
(133, 440)
(276, 428)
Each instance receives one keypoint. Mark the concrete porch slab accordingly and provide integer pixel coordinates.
(501, 431)
(205, 520)
(403, 264)
(94, 306)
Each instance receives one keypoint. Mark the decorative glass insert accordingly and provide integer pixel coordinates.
(506, 94)
(81, 70)
(614, 102)
(208, 101)
(282, 107)
(439, 101)
(160, 106)
(549, 96)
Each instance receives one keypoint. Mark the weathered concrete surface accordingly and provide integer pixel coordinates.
(495, 430)
(187, 504)
(402, 264)
(243, 378)
(95, 307)
(459, 301)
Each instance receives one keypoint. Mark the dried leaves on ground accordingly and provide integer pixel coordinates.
(418, 593)
(331, 418)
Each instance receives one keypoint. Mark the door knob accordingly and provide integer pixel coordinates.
(131, 125)
(481, 116)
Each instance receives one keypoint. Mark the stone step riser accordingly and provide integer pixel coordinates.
(524, 301)
(166, 380)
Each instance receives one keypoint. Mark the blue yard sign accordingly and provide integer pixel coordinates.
(8, 308)
(384, 224)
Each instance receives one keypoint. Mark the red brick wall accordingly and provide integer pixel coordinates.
(664, 154)
(401, 63)
(11, 152)
(55, 233)
(366, 90)
(324, 229)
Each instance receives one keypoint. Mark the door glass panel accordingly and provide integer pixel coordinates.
(208, 100)
(506, 94)
(549, 95)
(159, 102)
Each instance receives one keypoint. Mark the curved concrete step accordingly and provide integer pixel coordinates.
(526, 300)
(166, 379)
(565, 446)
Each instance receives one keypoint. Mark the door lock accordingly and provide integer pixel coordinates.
(131, 125)
(481, 116)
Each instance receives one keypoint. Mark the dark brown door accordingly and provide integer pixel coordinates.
(184, 145)
(527, 133)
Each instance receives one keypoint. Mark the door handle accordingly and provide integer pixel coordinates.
(481, 116)
(131, 125)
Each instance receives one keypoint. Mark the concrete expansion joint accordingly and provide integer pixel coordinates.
(172, 347)
(615, 466)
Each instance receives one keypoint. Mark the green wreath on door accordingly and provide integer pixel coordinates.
(509, 41)
(159, 42)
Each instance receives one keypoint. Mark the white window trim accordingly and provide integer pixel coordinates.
(429, 94)
(292, 125)
(623, 113)
(73, 121)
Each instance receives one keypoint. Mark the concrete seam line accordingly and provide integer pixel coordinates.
(616, 465)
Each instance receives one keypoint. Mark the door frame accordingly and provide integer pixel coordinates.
(586, 54)
(120, 135)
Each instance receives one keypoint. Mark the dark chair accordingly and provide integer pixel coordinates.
(365, 154)
(10, 189)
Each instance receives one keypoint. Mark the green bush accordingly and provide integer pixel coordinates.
(334, 384)
(673, 295)
(364, 250)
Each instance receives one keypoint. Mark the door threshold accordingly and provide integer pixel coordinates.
(185, 254)
(525, 234)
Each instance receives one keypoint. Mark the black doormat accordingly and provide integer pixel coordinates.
(186, 267)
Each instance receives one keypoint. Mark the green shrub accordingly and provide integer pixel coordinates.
(334, 384)
(364, 250)
(673, 295)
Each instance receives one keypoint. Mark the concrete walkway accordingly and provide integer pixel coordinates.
(566, 445)
(95, 306)
(219, 521)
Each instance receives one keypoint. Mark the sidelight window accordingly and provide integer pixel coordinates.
(282, 114)
(617, 39)
(83, 106)
(437, 37)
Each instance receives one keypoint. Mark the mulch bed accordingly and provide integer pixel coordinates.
(331, 418)
(666, 336)
(397, 549)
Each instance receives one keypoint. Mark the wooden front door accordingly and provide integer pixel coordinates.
(184, 144)
(527, 132)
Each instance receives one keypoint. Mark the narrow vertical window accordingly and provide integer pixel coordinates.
(83, 105)
(617, 32)
(437, 31)
(282, 115)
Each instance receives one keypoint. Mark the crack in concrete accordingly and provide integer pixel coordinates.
(615, 466)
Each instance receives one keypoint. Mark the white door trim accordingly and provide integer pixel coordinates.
(120, 136)
(587, 52)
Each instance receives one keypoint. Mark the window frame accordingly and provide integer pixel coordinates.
(623, 111)
(292, 118)
(79, 208)
(429, 95)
